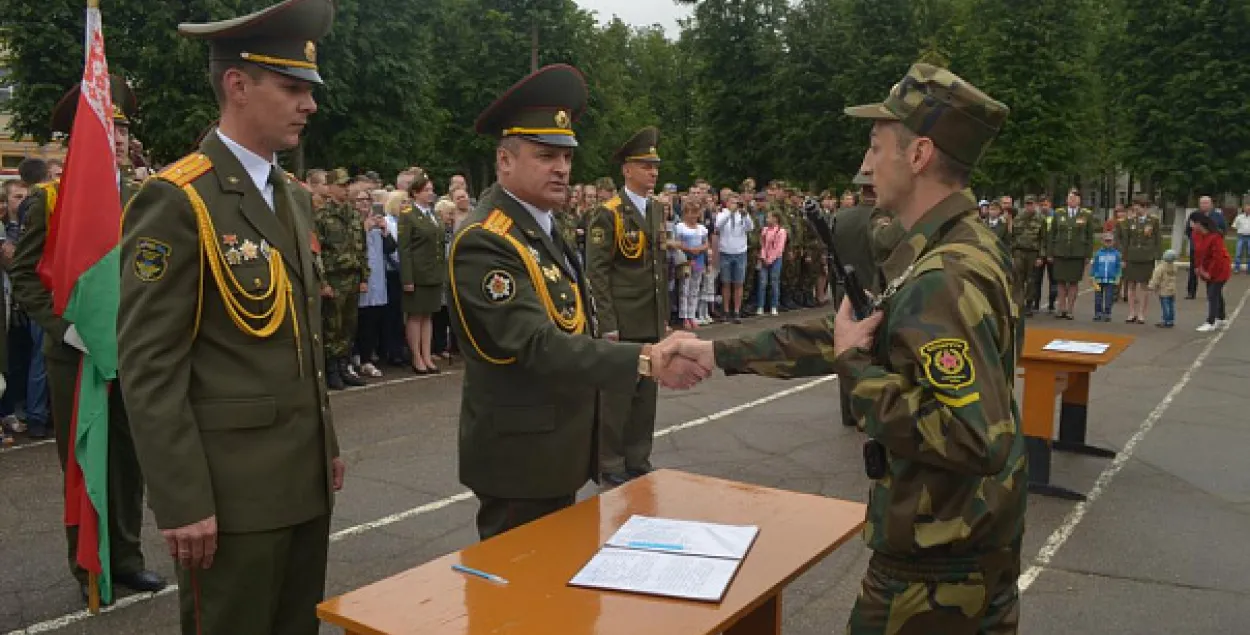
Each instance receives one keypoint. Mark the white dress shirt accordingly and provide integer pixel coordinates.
(256, 166)
(543, 218)
(640, 203)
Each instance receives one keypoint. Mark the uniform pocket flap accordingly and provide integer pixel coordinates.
(235, 414)
(525, 419)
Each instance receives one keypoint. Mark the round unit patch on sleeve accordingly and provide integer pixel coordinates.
(947, 365)
(151, 259)
(498, 286)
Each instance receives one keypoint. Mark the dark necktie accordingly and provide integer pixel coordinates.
(281, 199)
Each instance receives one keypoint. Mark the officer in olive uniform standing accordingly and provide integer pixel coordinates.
(937, 361)
(851, 227)
(63, 350)
(523, 313)
(219, 340)
(1069, 244)
(346, 265)
(1028, 254)
(627, 267)
(1141, 242)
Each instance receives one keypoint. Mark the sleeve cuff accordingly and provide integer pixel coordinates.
(852, 363)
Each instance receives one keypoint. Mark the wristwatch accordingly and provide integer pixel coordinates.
(644, 365)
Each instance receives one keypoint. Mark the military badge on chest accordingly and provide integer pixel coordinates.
(237, 253)
(498, 286)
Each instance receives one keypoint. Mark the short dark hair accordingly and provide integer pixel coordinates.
(217, 73)
(32, 171)
(948, 170)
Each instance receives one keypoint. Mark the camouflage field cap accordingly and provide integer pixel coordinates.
(282, 38)
(936, 103)
(124, 104)
(541, 107)
(1029, 198)
(640, 147)
(340, 176)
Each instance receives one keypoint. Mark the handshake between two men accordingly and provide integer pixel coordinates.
(682, 360)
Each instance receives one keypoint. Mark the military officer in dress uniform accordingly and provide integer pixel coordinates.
(526, 322)
(1141, 241)
(63, 349)
(627, 267)
(219, 338)
(1069, 244)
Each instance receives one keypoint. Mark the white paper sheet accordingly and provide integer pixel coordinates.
(1073, 346)
(685, 536)
(658, 573)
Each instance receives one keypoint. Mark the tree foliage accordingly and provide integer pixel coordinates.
(749, 88)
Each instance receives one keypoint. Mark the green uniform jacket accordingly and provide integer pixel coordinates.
(224, 422)
(937, 392)
(631, 293)
(527, 414)
(422, 249)
(1140, 239)
(1028, 233)
(1071, 237)
(886, 233)
(853, 241)
(342, 237)
(999, 229)
(34, 298)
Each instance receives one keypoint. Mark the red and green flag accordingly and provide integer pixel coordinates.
(81, 267)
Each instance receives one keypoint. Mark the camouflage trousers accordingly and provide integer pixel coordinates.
(338, 319)
(1023, 290)
(900, 597)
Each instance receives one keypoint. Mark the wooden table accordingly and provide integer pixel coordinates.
(538, 559)
(1043, 373)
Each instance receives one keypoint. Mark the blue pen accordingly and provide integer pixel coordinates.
(481, 574)
(656, 545)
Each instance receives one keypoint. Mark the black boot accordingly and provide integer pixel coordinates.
(334, 381)
(349, 377)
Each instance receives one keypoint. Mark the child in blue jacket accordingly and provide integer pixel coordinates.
(1106, 271)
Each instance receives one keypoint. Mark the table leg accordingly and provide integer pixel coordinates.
(764, 620)
(1038, 427)
(1073, 418)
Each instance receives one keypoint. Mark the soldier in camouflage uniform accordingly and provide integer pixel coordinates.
(932, 374)
(342, 237)
(1140, 239)
(1028, 237)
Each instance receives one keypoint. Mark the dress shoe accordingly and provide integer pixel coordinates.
(144, 581)
(613, 479)
(349, 376)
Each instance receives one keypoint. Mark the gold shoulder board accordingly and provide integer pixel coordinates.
(498, 223)
(187, 169)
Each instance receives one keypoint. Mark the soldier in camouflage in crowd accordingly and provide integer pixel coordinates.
(1028, 254)
(342, 237)
(932, 376)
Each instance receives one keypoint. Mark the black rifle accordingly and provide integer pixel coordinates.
(876, 463)
(861, 304)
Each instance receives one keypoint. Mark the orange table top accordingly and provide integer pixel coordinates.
(538, 560)
(1035, 339)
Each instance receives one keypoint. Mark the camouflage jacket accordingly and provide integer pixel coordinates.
(342, 238)
(937, 392)
(1028, 232)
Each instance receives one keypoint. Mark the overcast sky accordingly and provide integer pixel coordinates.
(640, 12)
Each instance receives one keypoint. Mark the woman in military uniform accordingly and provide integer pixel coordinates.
(423, 270)
(1141, 242)
(1070, 243)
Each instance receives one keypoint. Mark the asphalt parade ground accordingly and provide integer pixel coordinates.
(1158, 547)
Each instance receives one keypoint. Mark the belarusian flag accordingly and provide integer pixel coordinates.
(81, 267)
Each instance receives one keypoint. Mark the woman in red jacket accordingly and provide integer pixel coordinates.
(1212, 264)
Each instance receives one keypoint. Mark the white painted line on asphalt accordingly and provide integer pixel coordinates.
(73, 618)
(24, 446)
(1074, 517)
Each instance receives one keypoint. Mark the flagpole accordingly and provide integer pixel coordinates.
(93, 581)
